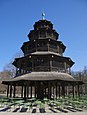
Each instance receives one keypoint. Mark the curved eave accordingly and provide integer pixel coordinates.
(66, 59)
(24, 44)
(47, 39)
(43, 21)
(70, 62)
(30, 33)
(14, 62)
(42, 76)
(62, 45)
(57, 35)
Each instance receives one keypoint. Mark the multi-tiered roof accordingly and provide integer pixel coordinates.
(43, 51)
(43, 66)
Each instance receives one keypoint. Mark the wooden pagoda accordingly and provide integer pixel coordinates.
(43, 71)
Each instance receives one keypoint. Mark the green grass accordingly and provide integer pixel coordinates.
(76, 103)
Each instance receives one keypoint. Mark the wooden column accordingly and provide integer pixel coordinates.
(63, 90)
(22, 91)
(16, 71)
(58, 48)
(78, 91)
(35, 90)
(10, 90)
(59, 90)
(7, 90)
(51, 64)
(45, 91)
(32, 65)
(73, 90)
(31, 92)
(48, 45)
(53, 92)
(49, 91)
(67, 90)
(20, 71)
(39, 34)
(46, 34)
(56, 91)
(65, 66)
(14, 91)
(25, 92)
(36, 45)
(69, 71)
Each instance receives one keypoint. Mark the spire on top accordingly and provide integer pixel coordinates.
(43, 15)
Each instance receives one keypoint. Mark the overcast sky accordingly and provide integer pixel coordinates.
(69, 17)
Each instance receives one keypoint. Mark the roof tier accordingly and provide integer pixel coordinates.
(43, 24)
(43, 29)
(42, 76)
(45, 54)
(43, 45)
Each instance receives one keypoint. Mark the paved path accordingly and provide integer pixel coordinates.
(71, 113)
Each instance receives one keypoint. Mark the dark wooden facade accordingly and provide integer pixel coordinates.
(43, 54)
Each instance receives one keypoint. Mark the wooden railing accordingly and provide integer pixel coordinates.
(42, 68)
(42, 49)
(53, 50)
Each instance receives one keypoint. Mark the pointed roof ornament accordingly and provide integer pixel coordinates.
(43, 16)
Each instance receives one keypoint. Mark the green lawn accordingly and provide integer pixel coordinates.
(78, 104)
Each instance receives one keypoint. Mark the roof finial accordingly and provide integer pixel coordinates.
(43, 15)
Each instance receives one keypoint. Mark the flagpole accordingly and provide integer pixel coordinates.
(43, 15)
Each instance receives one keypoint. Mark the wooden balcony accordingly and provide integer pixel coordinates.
(53, 50)
(62, 70)
(41, 68)
(45, 48)
(42, 48)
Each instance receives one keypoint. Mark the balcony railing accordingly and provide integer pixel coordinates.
(53, 50)
(42, 49)
(42, 68)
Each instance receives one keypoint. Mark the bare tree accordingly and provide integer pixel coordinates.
(10, 67)
(81, 75)
(3, 76)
